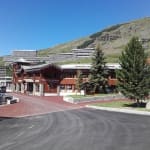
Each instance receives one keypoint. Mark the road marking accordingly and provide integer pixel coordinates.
(31, 127)
(21, 133)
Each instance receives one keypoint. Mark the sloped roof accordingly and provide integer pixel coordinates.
(88, 66)
(35, 68)
(76, 66)
(22, 61)
(40, 67)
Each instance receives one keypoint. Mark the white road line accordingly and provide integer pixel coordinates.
(21, 133)
(31, 127)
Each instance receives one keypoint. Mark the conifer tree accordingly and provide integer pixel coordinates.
(79, 80)
(98, 78)
(134, 75)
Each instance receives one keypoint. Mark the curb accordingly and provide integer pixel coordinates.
(92, 98)
(122, 110)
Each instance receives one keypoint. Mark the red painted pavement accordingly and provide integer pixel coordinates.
(36, 105)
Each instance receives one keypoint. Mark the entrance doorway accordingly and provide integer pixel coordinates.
(30, 87)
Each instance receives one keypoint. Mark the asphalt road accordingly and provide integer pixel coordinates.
(80, 129)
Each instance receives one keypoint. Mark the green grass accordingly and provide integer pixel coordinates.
(77, 61)
(122, 104)
(114, 104)
(112, 58)
(62, 48)
(109, 59)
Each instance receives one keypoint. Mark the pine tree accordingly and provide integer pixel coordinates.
(79, 80)
(98, 72)
(134, 76)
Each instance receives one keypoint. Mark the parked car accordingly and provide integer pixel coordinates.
(3, 96)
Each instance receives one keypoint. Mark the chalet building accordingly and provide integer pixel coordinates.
(50, 79)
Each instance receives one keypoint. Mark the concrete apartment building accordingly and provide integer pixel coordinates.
(31, 55)
(5, 80)
(24, 53)
(2, 71)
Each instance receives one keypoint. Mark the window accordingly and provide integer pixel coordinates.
(62, 87)
(69, 87)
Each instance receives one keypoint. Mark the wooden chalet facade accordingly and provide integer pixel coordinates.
(50, 79)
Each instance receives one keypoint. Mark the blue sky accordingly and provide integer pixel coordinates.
(38, 24)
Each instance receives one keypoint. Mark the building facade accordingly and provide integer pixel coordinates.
(2, 71)
(50, 79)
(7, 82)
(32, 56)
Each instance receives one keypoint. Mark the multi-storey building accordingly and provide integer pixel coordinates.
(2, 71)
(85, 52)
(31, 55)
(4, 79)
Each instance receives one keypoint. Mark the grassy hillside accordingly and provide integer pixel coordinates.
(1, 61)
(112, 39)
(62, 48)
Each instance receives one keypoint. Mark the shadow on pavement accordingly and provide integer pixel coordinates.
(5, 118)
(134, 105)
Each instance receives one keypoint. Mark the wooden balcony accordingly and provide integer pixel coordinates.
(112, 82)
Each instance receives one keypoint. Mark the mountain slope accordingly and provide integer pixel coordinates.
(112, 39)
(62, 48)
